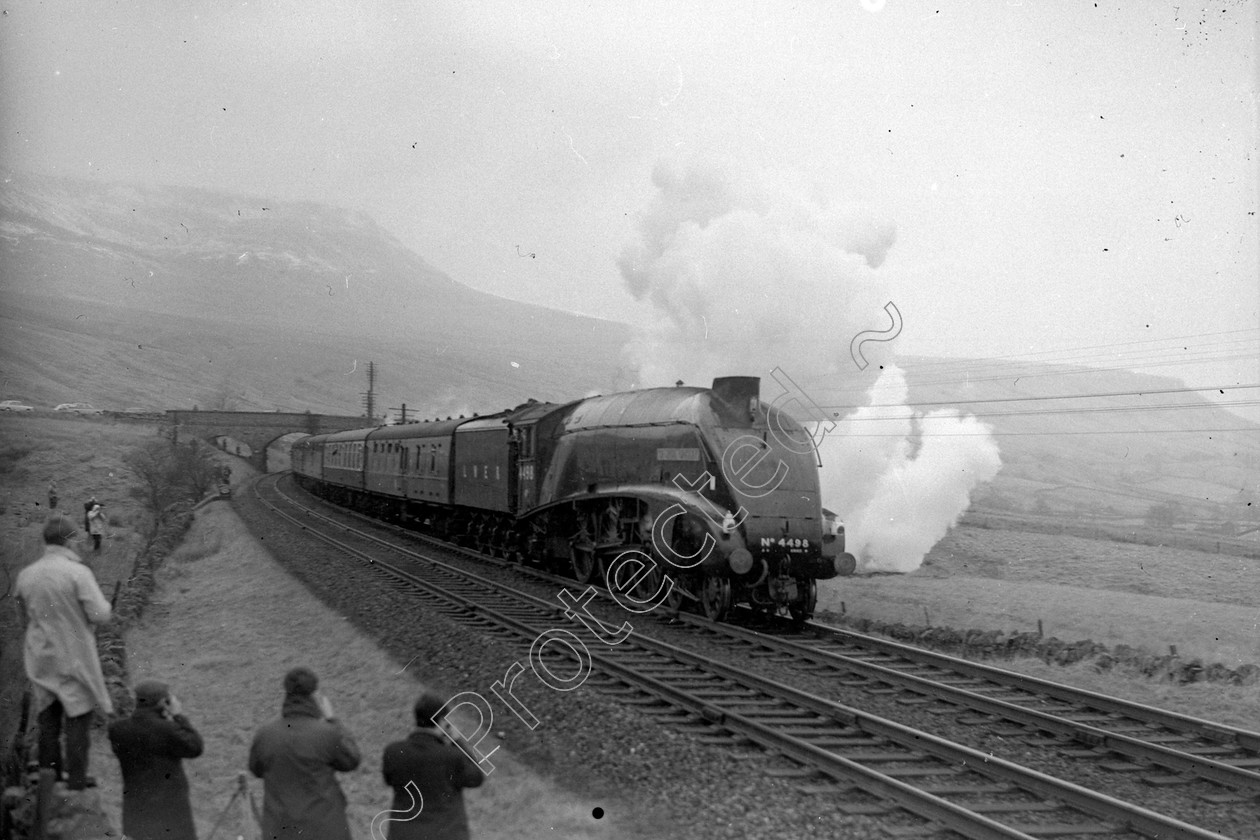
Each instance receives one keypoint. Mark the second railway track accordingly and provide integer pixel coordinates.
(877, 765)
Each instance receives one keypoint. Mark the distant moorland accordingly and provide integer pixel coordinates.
(163, 297)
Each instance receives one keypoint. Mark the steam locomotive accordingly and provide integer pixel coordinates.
(706, 496)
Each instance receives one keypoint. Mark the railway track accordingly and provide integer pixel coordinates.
(920, 782)
(1164, 748)
(1161, 747)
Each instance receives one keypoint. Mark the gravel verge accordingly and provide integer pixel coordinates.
(715, 787)
(673, 786)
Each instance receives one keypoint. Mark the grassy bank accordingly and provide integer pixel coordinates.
(84, 456)
(1208, 605)
(226, 623)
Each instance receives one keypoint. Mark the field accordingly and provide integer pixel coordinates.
(1149, 597)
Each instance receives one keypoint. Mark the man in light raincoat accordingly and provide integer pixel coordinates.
(60, 602)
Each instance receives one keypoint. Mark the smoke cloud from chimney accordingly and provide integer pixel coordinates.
(747, 271)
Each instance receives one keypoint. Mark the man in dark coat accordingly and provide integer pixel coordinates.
(297, 757)
(439, 770)
(150, 746)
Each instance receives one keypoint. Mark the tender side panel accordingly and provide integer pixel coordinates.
(482, 466)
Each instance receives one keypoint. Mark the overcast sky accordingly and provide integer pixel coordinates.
(1059, 174)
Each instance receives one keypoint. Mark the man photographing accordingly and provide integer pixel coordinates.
(298, 757)
(150, 746)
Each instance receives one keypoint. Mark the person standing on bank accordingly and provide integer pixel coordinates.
(59, 602)
(150, 746)
(298, 757)
(96, 526)
(439, 769)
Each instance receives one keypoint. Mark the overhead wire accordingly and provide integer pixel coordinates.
(993, 369)
(1060, 350)
(1088, 410)
(953, 403)
(1055, 433)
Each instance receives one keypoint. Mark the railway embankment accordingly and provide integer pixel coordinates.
(1168, 626)
(222, 626)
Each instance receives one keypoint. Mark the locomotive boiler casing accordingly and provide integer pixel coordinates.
(711, 486)
(729, 470)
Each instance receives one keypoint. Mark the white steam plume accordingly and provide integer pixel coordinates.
(896, 501)
(745, 274)
(748, 272)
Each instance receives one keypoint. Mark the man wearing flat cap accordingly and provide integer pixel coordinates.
(59, 602)
(298, 757)
(150, 746)
(436, 768)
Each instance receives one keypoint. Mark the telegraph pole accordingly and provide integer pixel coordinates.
(369, 399)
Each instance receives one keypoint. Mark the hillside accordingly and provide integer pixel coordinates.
(1102, 460)
(171, 296)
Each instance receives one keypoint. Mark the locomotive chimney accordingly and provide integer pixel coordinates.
(739, 392)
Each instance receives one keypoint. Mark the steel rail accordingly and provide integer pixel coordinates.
(1243, 738)
(935, 808)
(926, 805)
(1220, 772)
(1240, 780)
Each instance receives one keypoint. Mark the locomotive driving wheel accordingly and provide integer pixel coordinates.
(650, 584)
(675, 600)
(585, 562)
(802, 611)
(715, 597)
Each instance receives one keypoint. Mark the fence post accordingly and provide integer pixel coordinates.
(43, 803)
(248, 830)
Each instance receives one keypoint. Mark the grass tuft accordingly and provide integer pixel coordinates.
(10, 455)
